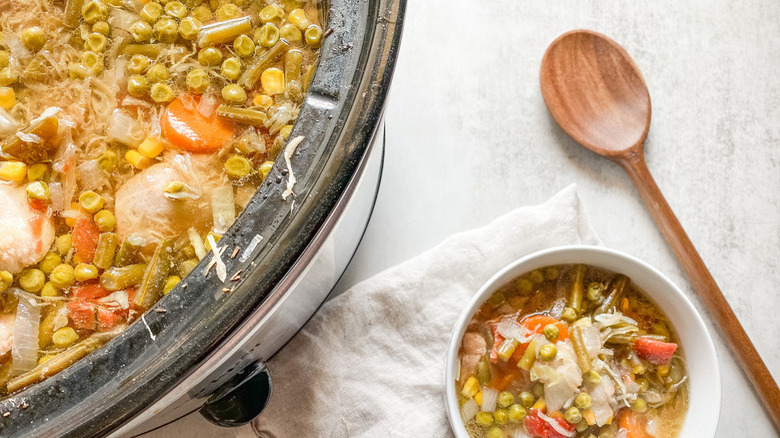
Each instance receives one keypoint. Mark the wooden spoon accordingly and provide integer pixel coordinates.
(596, 93)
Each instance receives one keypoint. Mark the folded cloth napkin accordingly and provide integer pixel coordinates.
(371, 361)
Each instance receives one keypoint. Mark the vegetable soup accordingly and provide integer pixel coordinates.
(571, 351)
(132, 133)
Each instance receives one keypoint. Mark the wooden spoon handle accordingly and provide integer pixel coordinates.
(741, 347)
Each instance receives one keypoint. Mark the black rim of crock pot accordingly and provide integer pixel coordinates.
(339, 118)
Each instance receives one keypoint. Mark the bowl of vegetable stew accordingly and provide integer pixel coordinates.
(581, 341)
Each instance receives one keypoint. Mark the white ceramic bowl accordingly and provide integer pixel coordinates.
(701, 421)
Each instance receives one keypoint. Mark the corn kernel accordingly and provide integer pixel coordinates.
(471, 387)
(285, 131)
(540, 404)
(69, 221)
(13, 171)
(263, 101)
(151, 147)
(478, 398)
(170, 283)
(64, 337)
(85, 272)
(7, 97)
(137, 160)
(299, 19)
(272, 80)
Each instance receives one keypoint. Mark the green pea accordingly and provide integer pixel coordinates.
(639, 405)
(228, 11)
(210, 56)
(582, 400)
(93, 62)
(50, 261)
(272, 13)
(202, 13)
(516, 413)
(494, 432)
(536, 276)
(176, 9)
(595, 291)
(234, 94)
(231, 68)
(643, 383)
(5, 58)
(141, 31)
(63, 243)
(527, 399)
(49, 290)
(569, 314)
(36, 171)
(551, 332)
(108, 160)
(138, 64)
(238, 167)
(291, 33)
(501, 416)
(198, 81)
(313, 36)
(105, 220)
(166, 30)
(496, 300)
(161, 93)
(95, 42)
(151, 12)
(6, 279)
(244, 46)
(102, 28)
(573, 415)
(94, 11)
(538, 390)
(33, 38)
(484, 418)
(91, 201)
(505, 399)
(524, 286)
(267, 35)
(592, 377)
(189, 28)
(158, 73)
(138, 85)
(550, 274)
(32, 280)
(548, 352)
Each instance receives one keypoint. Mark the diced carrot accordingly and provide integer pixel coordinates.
(85, 236)
(630, 422)
(108, 318)
(536, 324)
(186, 128)
(502, 382)
(89, 291)
(83, 314)
(653, 351)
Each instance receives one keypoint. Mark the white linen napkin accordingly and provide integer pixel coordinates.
(371, 361)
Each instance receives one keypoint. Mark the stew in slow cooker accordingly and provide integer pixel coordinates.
(132, 133)
(571, 351)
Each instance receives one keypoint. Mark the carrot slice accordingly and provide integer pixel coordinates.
(629, 421)
(186, 128)
(85, 236)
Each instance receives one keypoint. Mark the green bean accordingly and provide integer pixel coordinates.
(46, 328)
(73, 13)
(152, 285)
(577, 289)
(128, 251)
(581, 352)
(223, 31)
(61, 360)
(252, 73)
(244, 116)
(527, 360)
(118, 278)
(104, 253)
(615, 291)
(483, 371)
(149, 50)
(293, 61)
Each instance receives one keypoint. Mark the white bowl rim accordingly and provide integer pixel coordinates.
(701, 406)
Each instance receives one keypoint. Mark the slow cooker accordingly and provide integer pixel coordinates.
(203, 346)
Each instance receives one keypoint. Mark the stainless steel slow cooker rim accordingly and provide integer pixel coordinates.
(91, 413)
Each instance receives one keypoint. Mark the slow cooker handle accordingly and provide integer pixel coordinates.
(241, 399)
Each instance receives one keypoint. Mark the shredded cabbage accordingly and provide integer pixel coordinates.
(24, 352)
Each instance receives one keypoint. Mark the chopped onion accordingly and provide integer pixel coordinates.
(469, 410)
(122, 19)
(57, 199)
(8, 124)
(197, 243)
(489, 399)
(24, 352)
(207, 105)
(289, 150)
(511, 329)
(125, 129)
(91, 176)
(217, 259)
(61, 318)
(517, 432)
(117, 299)
(223, 208)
